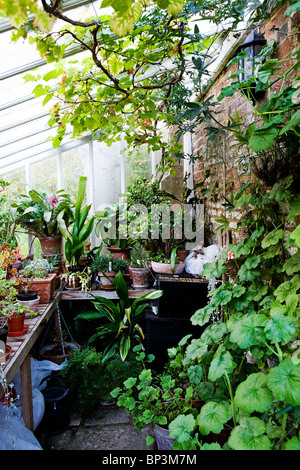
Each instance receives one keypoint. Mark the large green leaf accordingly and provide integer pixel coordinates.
(272, 238)
(212, 418)
(202, 315)
(279, 329)
(249, 435)
(287, 288)
(249, 331)
(122, 290)
(284, 381)
(253, 394)
(181, 427)
(220, 366)
(80, 196)
(292, 265)
(262, 139)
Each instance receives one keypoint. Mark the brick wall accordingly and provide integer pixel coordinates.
(222, 158)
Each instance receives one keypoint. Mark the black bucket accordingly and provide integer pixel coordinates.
(56, 393)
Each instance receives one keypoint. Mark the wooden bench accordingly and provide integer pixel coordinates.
(22, 345)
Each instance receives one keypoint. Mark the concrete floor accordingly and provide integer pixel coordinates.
(110, 428)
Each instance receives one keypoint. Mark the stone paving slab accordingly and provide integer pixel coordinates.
(110, 428)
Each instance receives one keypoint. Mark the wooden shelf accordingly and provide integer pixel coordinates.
(78, 295)
(22, 345)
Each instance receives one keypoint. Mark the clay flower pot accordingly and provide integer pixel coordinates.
(51, 245)
(123, 253)
(16, 324)
(165, 268)
(139, 277)
(107, 284)
(45, 287)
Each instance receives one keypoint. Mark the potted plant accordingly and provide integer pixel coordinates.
(59, 346)
(156, 400)
(91, 381)
(120, 330)
(139, 270)
(12, 312)
(78, 279)
(78, 231)
(162, 264)
(107, 267)
(38, 214)
(37, 280)
(109, 227)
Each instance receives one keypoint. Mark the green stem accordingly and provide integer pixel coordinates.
(231, 397)
(278, 351)
(283, 428)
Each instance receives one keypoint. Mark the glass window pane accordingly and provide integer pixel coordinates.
(138, 165)
(74, 165)
(44, 175)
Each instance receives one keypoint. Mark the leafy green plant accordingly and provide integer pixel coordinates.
(9, 306)
(35, 269)
(77, 232)
(109, 263)
(152, 399)
(250, 359)
(7, 229)
(120, 330)
(38, 212)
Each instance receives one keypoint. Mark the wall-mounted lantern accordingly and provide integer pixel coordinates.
(253, 45)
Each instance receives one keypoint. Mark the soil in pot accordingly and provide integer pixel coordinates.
(30, 295)
(29, 299)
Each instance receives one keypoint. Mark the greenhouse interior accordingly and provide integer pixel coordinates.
(150, 227)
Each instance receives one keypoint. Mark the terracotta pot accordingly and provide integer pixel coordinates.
(16, 324)
(107, 284)
(51, 245)
(140, 278)
(164, 268)
(44, 287)
(73, 283)
(123, 253)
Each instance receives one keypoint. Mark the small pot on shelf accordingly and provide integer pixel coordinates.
(166, 268)
(107, 278)
(29, 299)
(139, 277)
(123, 253)
(16, 325)
(51, 246)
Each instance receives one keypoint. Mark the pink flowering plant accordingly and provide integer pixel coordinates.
(38, 212)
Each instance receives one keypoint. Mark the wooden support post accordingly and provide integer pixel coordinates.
(26, 386)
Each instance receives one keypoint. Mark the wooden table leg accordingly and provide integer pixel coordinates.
(26, 393)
